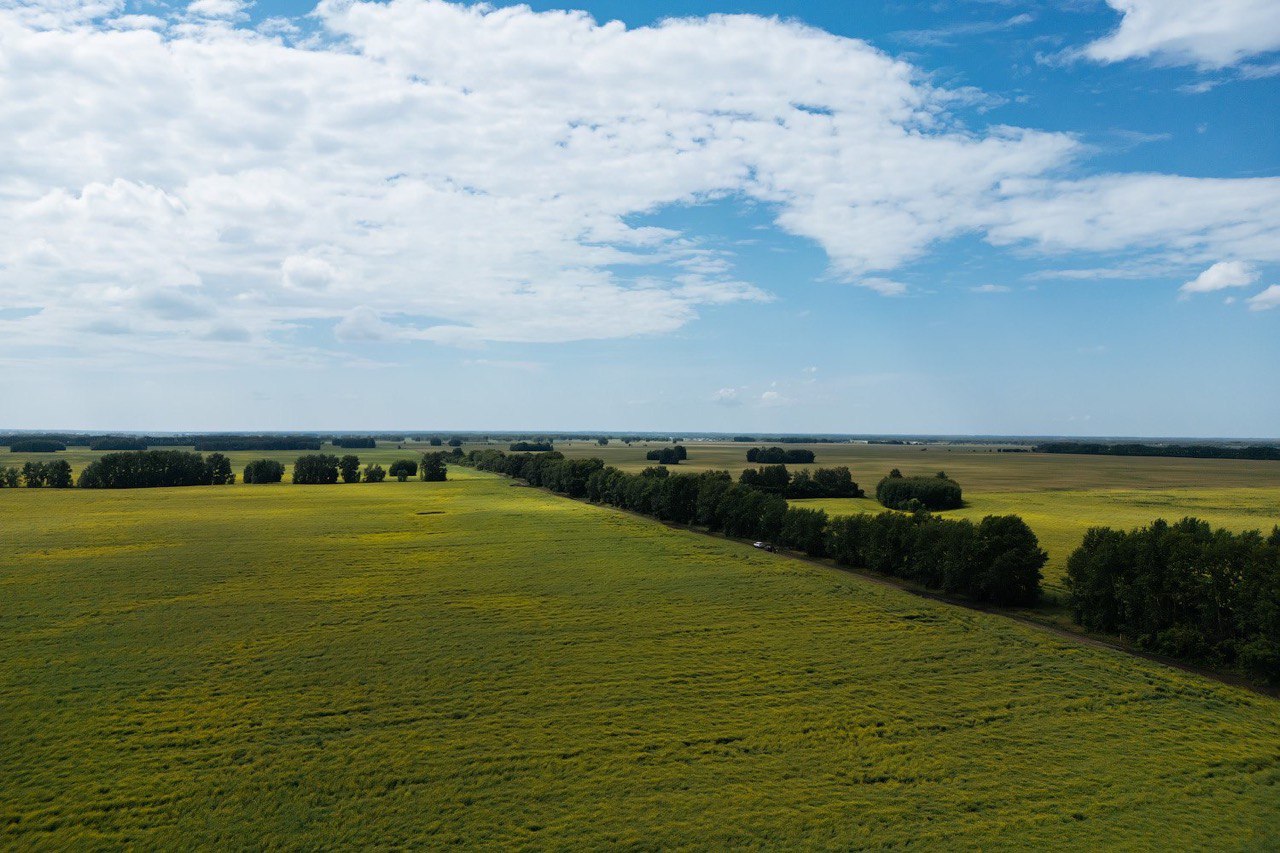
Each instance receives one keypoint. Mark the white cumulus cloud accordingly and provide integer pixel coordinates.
(1207, 33)
(1266, 300)
(1221, 276)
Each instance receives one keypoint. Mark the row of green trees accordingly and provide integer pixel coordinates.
(1184, 590)
(324, 468)
(998, 560)
(158, 468)
(778, 456)
(934, 493)
(34, 475)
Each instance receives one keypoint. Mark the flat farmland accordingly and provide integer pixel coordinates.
(1061, 496)
(978, 468)
(478, 663)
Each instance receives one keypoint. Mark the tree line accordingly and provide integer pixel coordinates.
(167, 468)
(255, 442)
(325, 468)
(34, 475)
(353, 442)
(778, 456)
(1183, 590)
(998, 560)
(36, 445)
(156, 468)
(1187, 451)
(935, 493)
(118, 442)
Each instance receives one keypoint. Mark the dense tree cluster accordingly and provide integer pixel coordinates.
(155, 468)
(316, 469)
(824, 483)
(1184, 590)
(531, 447)
(355, 442)
(403, 469)
(34, 475)
(374, 473)
(1188, 451)
(455, 442)
(263, 471)
(934, 493)
(819, 483)
(220, 473)
(668, 455)
(998, 560)
(778, 456)
(434, 468)
(36, 445)
(349, 468)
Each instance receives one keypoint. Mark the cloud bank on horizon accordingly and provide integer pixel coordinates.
(189, 182)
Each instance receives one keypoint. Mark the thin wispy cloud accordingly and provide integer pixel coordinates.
(951, 33)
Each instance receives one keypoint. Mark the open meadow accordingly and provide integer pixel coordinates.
(475, 662)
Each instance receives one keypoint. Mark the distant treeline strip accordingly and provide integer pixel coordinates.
(998, 560)
(37, 445)
(168, 468)
(214, 442)
(1184, 590)
(1185, 451)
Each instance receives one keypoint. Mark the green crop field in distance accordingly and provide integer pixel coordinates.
(976, 467)
(483, 664)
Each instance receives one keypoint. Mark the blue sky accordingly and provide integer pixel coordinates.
(975, 216)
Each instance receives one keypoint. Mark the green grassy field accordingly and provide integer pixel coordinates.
(484, 664)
